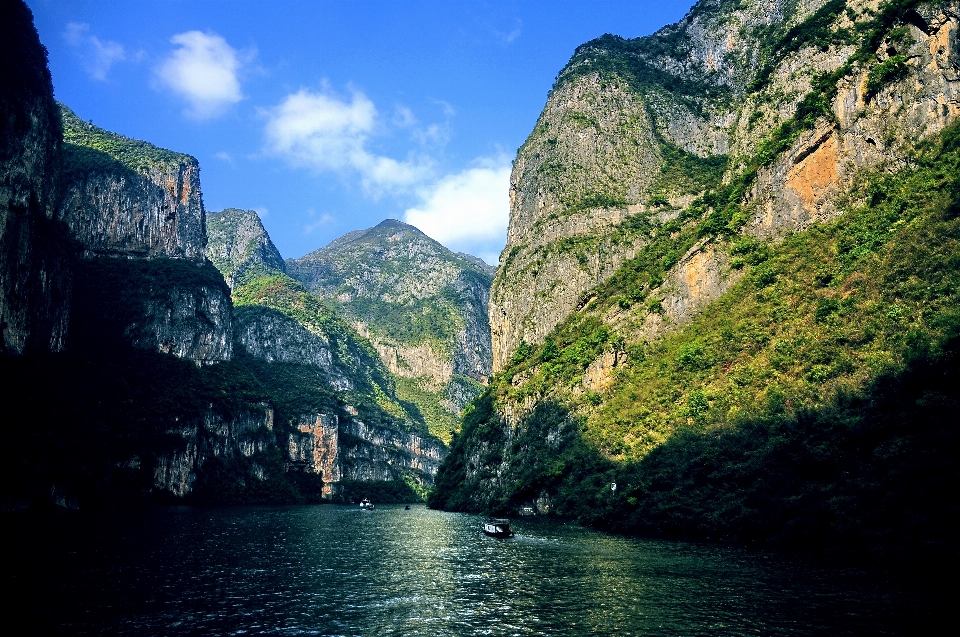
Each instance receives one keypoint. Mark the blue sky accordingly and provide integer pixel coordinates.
(327, 117)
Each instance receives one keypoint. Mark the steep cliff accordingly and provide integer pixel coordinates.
(783, 102)
(136, 213)
(729, 279)
(34, 253)
(344, 452)
(147, 402)
(423, 308)
(124, 197)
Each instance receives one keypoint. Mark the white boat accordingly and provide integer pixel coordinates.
(497, 528)
(366, 505)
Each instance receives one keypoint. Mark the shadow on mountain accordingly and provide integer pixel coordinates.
(872, 475)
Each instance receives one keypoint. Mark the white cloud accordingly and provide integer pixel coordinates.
(468, 211)
(97, 55)
(319, 130)
(203, 70)
(506, 38)
(403, 117)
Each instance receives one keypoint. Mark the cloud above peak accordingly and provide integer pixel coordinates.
(203, 70)
(97, 55)
(322, 131)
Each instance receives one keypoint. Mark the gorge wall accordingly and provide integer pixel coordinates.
(136, 213)
(634, 130)
(130, 379)
(729, 277)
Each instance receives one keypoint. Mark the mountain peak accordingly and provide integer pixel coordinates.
(393, 223)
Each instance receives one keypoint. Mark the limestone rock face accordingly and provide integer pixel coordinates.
(238, 243)
(592, 172)
(314, 447)
(272, 336)
(137, 210)
(34, 254)
(248, 432)
(128, 198)
(384, 454)
(633, 130)
(194, 323)
(349, 449)
(870, 129)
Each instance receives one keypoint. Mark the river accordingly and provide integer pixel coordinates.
(336, 570)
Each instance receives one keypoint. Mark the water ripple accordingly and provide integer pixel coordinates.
(333, 570)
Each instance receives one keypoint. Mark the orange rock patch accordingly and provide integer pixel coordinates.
(814, 173)
(696, 272)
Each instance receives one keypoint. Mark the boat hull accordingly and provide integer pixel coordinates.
(498, 530)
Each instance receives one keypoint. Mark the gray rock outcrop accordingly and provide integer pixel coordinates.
(238, 244)
(136, 207)
(127, 198)
(349, 449)
(423, 307)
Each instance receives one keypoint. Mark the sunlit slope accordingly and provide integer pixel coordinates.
(821, 385)
(823, 312)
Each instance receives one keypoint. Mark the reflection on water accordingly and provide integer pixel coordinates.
(331, 570)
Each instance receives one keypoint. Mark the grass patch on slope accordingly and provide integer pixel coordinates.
(88, 147)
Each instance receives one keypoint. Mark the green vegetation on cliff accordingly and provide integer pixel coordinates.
(239, 247)
(809, 404)
(373, 393)
(422, 306)
(91, 148)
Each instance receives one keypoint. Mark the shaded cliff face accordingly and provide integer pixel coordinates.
(238, 244)
(123, 414)
(423, 308)
(124, 197)
(246, 435)
(136, 212)
(34, 253)
(172, 306)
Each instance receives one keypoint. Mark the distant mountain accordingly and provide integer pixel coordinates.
(276, 319)
(422, 306)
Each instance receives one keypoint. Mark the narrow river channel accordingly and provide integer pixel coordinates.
(336, 570)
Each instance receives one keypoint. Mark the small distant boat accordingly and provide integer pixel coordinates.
(406, 508)
(366, 505)
(497, 528)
